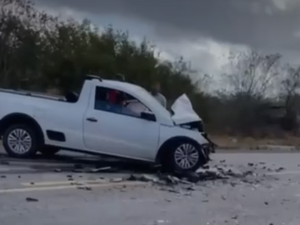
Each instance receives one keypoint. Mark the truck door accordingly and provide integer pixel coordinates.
(111, 128)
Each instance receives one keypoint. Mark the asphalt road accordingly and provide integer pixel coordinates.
(274, 199)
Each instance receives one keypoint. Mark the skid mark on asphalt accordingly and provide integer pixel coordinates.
(62, 187)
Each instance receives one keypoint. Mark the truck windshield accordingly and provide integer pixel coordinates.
(153, 101)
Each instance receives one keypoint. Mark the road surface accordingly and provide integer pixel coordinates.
(54, 200)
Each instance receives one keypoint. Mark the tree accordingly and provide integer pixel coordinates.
(251, 72)
(248, 83)
(49, 52)
(290, 85)
(21, 28)
(290, 94)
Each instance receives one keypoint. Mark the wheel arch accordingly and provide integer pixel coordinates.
(164, 148)
(20, 118)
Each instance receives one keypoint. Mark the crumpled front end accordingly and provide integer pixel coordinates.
(185, 116)
(210, 146)
(183, 111)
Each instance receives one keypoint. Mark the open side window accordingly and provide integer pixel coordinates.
(115, 101)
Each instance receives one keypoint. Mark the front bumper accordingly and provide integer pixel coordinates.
(210, 147)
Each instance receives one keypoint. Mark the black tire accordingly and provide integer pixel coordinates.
(49, 151)
(170, 160)
(31, 141)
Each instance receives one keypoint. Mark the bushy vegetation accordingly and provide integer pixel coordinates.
(41, 52)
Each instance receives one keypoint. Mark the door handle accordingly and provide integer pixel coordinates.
(92, 119)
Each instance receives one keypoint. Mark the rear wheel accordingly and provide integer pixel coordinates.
(21, 140)
(184, 156)
(49, 151)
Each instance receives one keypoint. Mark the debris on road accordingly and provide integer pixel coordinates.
(157, 222)
(87, 188)
(4, 162)
(101, 169)
(234, 217)
(216, 171)
(28, 199)
(279, 169)
(81, 169)
(185, 183)
(142, 177)
(116, 180)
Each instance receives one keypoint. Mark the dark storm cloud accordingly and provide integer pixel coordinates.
(258, 23)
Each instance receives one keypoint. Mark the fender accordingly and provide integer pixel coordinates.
(15, 118)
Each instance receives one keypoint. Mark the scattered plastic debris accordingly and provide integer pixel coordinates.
(28, 199)
(87, 188)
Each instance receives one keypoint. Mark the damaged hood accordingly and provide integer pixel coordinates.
(183, 111)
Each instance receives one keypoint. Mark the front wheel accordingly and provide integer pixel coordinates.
(20, 140)
(185, 156)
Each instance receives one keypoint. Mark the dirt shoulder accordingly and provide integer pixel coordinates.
(250, 143)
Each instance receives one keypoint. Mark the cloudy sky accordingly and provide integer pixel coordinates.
(203, 31)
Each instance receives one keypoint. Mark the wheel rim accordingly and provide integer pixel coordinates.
(186, 156)
(19, 141)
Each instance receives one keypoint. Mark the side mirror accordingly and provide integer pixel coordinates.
(148, 116)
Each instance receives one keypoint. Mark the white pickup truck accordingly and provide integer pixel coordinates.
(112, 118)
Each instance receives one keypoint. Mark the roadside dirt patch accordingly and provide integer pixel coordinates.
(230, 142)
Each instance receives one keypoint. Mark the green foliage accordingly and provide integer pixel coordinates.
(53, 53)
(40, 52)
